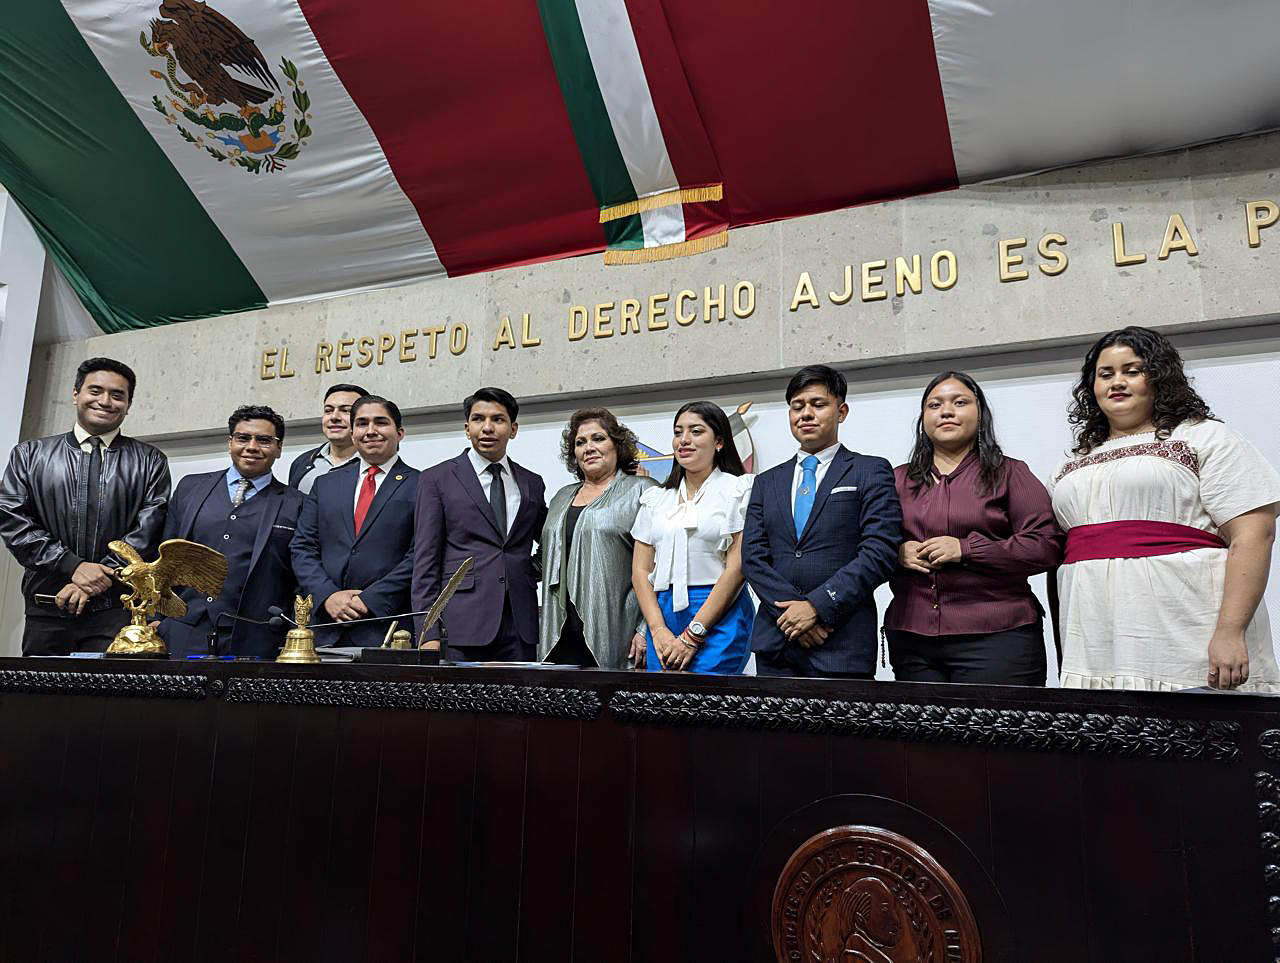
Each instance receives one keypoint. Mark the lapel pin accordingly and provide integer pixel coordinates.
(399, 477)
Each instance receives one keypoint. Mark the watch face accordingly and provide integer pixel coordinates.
(697, 628)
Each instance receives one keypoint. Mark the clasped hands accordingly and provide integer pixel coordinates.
(799, 623)
(88, 580)
(931, 554)
(346, 606)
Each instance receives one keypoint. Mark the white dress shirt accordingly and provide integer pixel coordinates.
(824, 462)
(378, 479)
(82, 438)
(509, 486)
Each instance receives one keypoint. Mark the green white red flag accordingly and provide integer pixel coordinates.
(182, 159)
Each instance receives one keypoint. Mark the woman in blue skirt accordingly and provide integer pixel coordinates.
(687, 565)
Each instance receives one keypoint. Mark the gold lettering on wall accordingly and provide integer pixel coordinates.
(1049, 253)
(907, 276)
(935, 270)
(1257, 215)
(458, 335)
(385, 343)
(504, 335)
(1121, 256)
(432, 334)
(364, 352)
(265, 370)
(407, 350)
(871, 282)
(843, 296)
(629, 316)
(527, 340)
(324, 350)
(342, 358)
(685, 318)
(602, 323)
(578, 319)
(1009, 261)
(658, 311)
(285, 370)
(744, 300)
(716, 303)
(1177, 238)
(804, 292)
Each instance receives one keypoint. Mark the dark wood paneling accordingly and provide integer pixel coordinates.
(157, 825)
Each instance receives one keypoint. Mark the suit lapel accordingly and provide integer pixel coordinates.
(347, 492)
(840, 465)
(466, 476)
(269, 515)
(202, 495)
(782, 478)
(395, 478)
(522, 483)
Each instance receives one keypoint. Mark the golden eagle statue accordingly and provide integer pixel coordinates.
(179, 562)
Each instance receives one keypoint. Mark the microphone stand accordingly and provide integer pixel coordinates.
(275, 622)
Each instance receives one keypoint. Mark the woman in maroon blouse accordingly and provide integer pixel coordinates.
(977, 524)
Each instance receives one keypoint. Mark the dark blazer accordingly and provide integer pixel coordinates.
(848, 547)
(298, 467)
(454, 521)
(268, 581)
(328, 556)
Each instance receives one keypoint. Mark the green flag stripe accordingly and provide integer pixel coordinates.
(124, 228)
(601, 155)
(625, 232)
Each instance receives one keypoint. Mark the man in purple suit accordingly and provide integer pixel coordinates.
(485, 506)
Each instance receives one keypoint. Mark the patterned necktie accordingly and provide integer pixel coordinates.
(366, 496)
(93, 507)
(242, 492)
(498, 498)
(806, 492)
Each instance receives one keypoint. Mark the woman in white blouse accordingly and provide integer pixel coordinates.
(687, 565)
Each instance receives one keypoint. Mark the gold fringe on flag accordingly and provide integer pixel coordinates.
(679, 195)
(664, 252)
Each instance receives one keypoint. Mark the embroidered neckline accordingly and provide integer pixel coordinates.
(1176, 451)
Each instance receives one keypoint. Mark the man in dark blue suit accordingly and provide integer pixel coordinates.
(249, 517)
(822, 532)
(353, 552)
(482, 505)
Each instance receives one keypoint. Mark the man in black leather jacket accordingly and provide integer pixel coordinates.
(63, 498)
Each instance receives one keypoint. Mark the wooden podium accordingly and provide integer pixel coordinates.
(190, 811)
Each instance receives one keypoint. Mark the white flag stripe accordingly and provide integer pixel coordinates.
(335, 213)
(1034, 84)
(663, 225)
(615, 58)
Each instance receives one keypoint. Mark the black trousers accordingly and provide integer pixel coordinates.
(777, 664)
(48, 632)
(507, 647)
(1011, 657)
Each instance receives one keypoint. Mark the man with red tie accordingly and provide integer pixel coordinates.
(353, 550)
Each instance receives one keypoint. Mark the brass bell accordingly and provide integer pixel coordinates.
(299, 647)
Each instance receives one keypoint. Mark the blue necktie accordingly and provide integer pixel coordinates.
(806, 492)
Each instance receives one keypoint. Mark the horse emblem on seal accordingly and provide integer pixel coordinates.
(247, 121)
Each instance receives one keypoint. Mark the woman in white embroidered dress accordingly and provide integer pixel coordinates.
(687, 563)
(1170, 517)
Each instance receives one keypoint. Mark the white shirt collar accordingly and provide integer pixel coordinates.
(824, 456)
(327, 454)
(385, 466)
(709, 482)
(481, 464)
(82, 436)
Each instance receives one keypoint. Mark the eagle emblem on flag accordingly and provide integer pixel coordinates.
(230, 104)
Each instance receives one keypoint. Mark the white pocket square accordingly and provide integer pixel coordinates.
(846, 488)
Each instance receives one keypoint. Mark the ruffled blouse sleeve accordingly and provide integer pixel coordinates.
(734, 517)
(642, 527)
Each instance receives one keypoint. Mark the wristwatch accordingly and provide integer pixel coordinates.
(697, 630)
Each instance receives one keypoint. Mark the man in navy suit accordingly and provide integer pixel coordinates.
(822, 532)
(353, 552)
(482, 505)
(249, 517)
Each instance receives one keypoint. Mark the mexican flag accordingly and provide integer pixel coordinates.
(183, 159)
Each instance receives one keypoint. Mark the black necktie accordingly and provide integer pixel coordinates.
(93, 501)
(498, 498)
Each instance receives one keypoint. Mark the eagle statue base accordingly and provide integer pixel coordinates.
(151, 590)
(138, 642)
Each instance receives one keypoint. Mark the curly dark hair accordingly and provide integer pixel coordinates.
(990, 455)
(624, 440)
(1175, 400)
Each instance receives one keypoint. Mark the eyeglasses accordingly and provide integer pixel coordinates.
(240, 438)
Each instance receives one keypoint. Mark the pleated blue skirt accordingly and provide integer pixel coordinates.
(726, 648)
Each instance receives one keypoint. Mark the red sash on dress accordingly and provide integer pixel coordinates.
(1135, 539)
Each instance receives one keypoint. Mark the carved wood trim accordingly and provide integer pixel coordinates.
(584, 704)
(1268, 787)
(1093, 732)
(134, 685)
